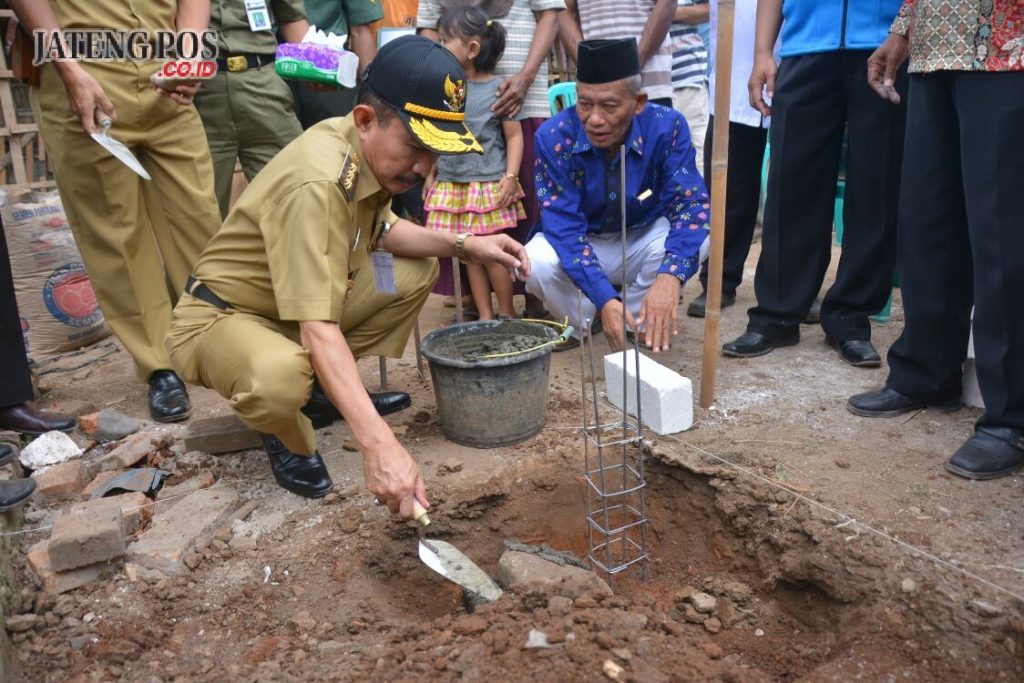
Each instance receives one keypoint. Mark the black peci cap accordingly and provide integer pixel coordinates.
(425, 84)
(604, 61)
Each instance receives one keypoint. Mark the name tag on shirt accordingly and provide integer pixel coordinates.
(384, 272)
(259, 17)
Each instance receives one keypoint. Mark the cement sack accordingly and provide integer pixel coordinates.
(56, 302)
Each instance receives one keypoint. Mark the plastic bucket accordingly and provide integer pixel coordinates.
(488, 402)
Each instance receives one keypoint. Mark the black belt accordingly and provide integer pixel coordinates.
(244, 62)
(204, 293)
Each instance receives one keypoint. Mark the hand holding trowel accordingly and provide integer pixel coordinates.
(115, 147)
(449, 562)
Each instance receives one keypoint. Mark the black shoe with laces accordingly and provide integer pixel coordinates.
(305, 475)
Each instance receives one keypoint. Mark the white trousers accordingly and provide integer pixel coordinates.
(645, 250)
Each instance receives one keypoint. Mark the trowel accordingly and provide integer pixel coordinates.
(116, 147)
(452, 564)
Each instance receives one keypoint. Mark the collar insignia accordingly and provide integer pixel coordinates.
(349, 175)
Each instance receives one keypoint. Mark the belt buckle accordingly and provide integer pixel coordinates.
(237, 63)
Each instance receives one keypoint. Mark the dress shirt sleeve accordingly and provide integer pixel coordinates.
(563, 222)
(287, 11)
(904, 18)
(687, 209)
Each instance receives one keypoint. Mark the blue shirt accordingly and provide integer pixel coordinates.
(578, 191)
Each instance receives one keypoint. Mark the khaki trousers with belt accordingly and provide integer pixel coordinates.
(259, 365)
(138, 238)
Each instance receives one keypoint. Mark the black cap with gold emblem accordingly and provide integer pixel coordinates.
(427, 87)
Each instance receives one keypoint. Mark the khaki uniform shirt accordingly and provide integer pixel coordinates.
(309, 220)
(235, 36)
(115, 14)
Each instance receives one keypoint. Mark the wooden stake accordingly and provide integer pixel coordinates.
(719, 167)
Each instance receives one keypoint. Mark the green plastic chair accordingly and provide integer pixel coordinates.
(565, 91)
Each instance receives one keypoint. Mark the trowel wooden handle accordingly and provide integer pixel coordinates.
(420, 514)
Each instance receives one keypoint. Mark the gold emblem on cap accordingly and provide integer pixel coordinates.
(455, 91)
(443, 140)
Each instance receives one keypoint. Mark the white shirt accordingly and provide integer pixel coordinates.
(740, 110)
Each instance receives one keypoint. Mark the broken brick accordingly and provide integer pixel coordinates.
(169, 495)
(61, 481)
(101, 479)
(225, 434)
(87, 536)
(53, 581)
(135, 509)
(132, 450)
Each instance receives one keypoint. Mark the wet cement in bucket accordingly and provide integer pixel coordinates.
(471, 348)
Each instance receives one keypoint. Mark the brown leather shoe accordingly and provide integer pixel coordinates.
(28, 419)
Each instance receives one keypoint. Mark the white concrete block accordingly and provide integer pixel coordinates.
(666, 397)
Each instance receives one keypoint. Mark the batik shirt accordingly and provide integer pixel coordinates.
(963, 35)
(578, 191)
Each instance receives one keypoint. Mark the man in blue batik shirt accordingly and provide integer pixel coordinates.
(578, 186)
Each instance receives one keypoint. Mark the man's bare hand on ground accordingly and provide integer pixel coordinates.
(611, 319)
(659, 313)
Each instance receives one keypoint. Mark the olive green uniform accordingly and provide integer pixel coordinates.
(247, 109)
(296, 247)
(131, 232)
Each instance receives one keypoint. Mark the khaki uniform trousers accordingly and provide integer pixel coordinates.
(259, 365)
(249, 116)
(137, 237)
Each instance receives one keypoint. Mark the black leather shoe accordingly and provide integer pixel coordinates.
(750, 344)
(305, 475)
(6, 454)
(992, 452)
(814, 315)
(857, 352)
(697, 306)
(28, 419)
(15, 492)
(168, 398)
(890, 403)
(322, 412)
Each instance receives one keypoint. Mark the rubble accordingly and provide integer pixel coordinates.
(60, 482)
(175, 530)
(517, 569)
(132, 450)
(108, 425)
(226, 434)
(51, 448)
(53, 581)
(91, 534)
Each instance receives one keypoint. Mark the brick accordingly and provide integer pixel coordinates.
(108, 425)
(517, 569)
(132, 450)
(61, 582)
(135, 509)
(86, 536)
(168, 496)
(60, 482)
(666, 397)
(88, 424)
(175, 530)
(225, 434)
(101, 479)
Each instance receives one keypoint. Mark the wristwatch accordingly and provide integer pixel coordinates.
(460, 247)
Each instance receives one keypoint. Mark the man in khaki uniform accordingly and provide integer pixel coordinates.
(136, 236)
(301, 279)
(247, 109)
